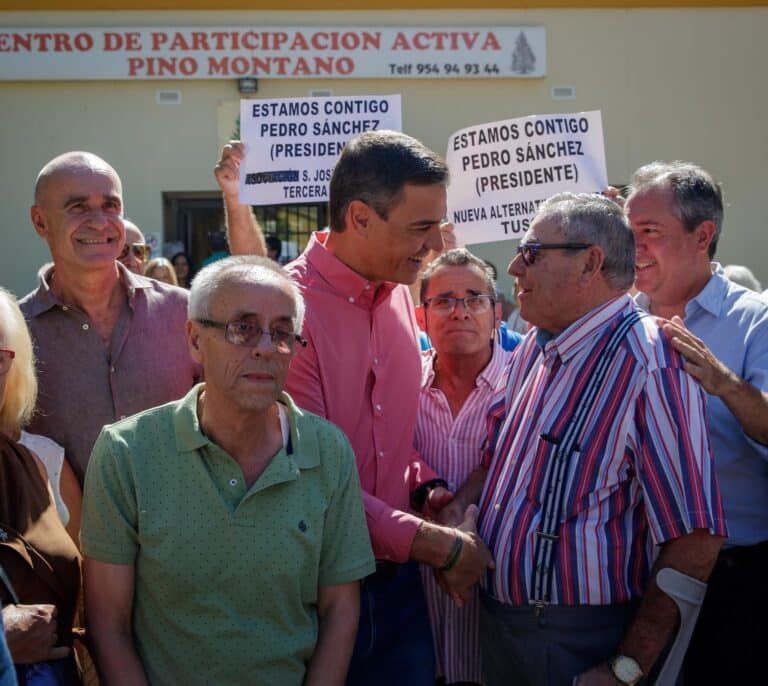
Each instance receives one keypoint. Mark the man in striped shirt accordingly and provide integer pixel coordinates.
(598, 451)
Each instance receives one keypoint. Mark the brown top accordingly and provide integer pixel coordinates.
(38, 555)
(85, 384)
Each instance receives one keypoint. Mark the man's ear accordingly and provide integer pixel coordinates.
(705, 234)
(38, 221)
(496, 315)
(593, 263)
(193, 340)
(421, 317)
(358, 217)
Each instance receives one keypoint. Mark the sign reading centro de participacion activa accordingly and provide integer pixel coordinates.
(271, 52)
(292, 144)
(502, 171)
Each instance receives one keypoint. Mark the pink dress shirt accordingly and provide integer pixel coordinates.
(361, 370)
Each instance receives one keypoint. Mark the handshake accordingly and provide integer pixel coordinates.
(449, 543)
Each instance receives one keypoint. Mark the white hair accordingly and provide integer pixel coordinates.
(743, 276)
(251, 268)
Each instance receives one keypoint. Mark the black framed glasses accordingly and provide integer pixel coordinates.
(529, 251)
(6, 358)
(445, 304)
(247, 334)
(141, 251)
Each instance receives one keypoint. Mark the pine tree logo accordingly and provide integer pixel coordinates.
(523, 59)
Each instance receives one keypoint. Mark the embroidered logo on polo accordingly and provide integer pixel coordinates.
(302, 526)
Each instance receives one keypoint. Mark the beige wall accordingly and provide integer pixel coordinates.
(683, 84)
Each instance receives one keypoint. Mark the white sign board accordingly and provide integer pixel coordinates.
(292, 144)
(501, 171)
(271, 52)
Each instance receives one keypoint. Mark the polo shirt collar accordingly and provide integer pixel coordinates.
(583, 331)
(343, 279)
(44, 298)
(711, 298)
(190, 436)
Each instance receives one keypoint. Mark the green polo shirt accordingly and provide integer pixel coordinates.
(227, 577)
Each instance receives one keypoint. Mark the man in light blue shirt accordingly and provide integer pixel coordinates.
(676, 213)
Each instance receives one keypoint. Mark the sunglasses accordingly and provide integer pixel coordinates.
(141, 251)
(529, 251)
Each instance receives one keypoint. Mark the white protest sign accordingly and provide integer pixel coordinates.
(501, 171)
(292, 144)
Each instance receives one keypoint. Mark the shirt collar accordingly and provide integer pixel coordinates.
(710, 298)
(341, 278)
(488, 376)
(190, 437)
(44, 298)
(583, 331)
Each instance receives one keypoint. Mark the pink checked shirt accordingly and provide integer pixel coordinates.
(452, 446)
(361, 370)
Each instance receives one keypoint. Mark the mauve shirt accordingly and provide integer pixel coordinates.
(361, 370)
(82, 385)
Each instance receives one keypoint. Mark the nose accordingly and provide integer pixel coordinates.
(434, 238)
(460, 310)
(516, 266)
(265, 344)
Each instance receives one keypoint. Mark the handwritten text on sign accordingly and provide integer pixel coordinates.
(502, 171)
(271, 52)
(292, 144)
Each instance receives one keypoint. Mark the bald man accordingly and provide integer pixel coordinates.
(135, 252)
(109, 343)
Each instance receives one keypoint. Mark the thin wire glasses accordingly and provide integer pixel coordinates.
(445, 304)
(249, 335)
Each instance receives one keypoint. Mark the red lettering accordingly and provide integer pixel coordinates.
(469, 39)
(199, 41)
(112, 41)
(279, 37)
(61, 43)
(345, 65)
(159, 39)
(188, 66)
(421, 41)
(401, 42)
(299, 42)
(371, 40)
(5, 42)
(133, 40)
(491, 43)
(134, 64)
(179, 42)
(301, 68)
(250, 40)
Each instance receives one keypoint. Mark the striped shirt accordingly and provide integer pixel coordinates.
(452, 446)
(642, 471)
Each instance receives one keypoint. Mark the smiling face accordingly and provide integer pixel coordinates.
(78, 211)
(133, 261)
(238, 377)
(671, 263)
(548, 290)
(460, 331)
(394, 248)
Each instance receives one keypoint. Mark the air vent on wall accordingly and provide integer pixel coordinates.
(168, 97)
(320, 94)
(563, 92)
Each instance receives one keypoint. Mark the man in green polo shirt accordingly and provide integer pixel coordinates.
(224, 533)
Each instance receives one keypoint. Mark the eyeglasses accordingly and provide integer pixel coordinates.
(529, 251)
(250, 335)
(445, 304)
(6, 357)
(141, 251)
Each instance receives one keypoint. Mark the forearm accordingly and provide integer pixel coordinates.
(470, 490)
(336, 640)
(695, 555)
(116, 658)
(432, 544)
(243, 230)
(750, 407)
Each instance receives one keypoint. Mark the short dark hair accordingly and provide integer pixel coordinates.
(698, 196)
(458, 257)
(274, 243)
(374, 167)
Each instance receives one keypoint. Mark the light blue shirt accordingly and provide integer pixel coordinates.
(733, 322)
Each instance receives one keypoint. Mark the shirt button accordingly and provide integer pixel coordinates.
(233, 482)
(112, 369)
(381, 453)
(351, 299)
(367, 287)
(86, 327)
(497, 507)
(65, 308)
(122, 416)
(378, 408)
(375, 360)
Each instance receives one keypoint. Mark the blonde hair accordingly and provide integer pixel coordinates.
(157, 263)
(18, 404)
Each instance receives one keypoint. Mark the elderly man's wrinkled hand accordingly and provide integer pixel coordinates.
(30, 631)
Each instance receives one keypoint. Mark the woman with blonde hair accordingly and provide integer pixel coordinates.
(161, 269)
(41, 585)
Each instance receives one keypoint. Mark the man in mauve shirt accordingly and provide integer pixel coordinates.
(109, 343)
(361, 370)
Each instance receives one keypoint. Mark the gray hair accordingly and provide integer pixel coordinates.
(698, 196)
(458, 257)
(251, 268)
(594, 219)
(374, 167)
(743, 276)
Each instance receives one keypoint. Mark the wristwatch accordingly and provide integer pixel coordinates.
(626, 669)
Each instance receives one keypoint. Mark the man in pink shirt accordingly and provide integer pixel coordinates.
(361, 370)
